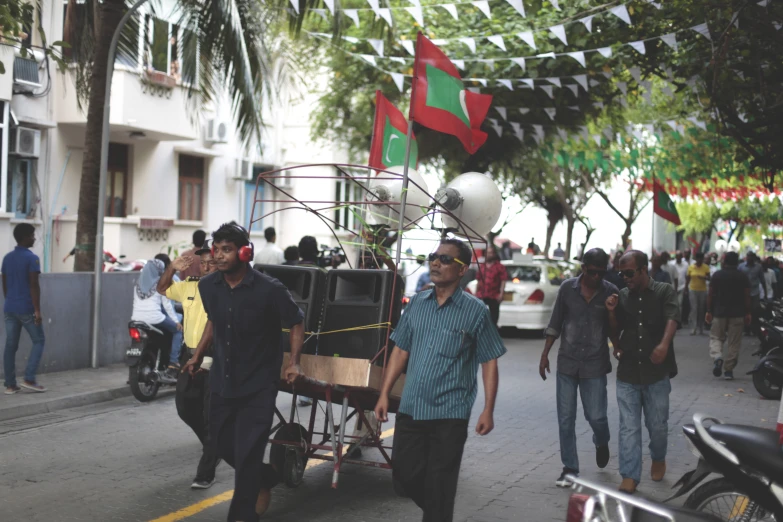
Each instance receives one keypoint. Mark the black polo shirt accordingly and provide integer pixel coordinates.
(728, 292)
(247, 323)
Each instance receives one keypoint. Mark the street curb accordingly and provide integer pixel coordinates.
(64, 403)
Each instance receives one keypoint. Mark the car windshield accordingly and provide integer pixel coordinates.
(519, 274)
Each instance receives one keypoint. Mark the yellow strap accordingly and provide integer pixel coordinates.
(354, 329)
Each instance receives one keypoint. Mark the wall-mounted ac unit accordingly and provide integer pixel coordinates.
(216, 131)
(25, 142)
(243, 170)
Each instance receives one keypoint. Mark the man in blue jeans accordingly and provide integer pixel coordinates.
(22, 308)
(583, 359)
(648, 314)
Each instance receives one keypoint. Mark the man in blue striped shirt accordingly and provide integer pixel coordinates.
(443, 336)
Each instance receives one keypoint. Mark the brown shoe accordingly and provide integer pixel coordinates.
(262, 504)
(658, 470)
(628, 486)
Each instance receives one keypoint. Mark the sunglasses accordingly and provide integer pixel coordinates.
(594, 273)
(444, 259)
(628, 274)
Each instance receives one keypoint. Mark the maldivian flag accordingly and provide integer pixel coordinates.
(389, 135)
(663, 205)
(440, 101)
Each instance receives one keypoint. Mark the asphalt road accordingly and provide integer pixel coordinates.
(127, 461)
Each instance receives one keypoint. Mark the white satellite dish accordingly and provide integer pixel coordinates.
(383, 191)
(474, 200)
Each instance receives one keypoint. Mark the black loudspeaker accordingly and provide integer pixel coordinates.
(306, 285)
(356, 298)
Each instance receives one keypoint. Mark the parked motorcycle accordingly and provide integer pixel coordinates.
(595, 503)
(768, 374)
(749, 461)
(148, 360)
(113, 264)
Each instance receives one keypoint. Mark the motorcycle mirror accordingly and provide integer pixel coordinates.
(122, 257)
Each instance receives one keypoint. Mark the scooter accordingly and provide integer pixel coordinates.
(148, 359)
(596, 503)
(113, 264)
(768, 374)
(750, 462)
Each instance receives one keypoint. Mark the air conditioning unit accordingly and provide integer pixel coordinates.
(25, 142)
(217, 131)
(285, 182)
(243, 170)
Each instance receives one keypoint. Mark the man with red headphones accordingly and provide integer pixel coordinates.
(247, 311)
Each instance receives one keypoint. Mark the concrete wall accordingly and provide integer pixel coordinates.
(66, 303)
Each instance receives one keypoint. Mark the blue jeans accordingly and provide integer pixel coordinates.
(176, 339)
(13, 331)
(594, 403)
(632, 399)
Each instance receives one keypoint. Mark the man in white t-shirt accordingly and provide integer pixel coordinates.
(270, 253)
(681, 265)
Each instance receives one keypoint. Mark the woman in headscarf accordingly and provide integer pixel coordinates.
(149, 307)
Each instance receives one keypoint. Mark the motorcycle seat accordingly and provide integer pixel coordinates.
(141, 325)
(758, 448)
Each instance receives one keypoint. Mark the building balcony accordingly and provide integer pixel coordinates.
(153, 104)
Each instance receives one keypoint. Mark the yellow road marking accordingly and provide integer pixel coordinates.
(198, 507)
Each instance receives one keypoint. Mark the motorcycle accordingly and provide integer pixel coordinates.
(596, 503)
(768, 373)
(148, 359)
(750, 462)
(113, 264)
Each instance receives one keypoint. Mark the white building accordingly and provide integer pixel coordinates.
(168, 176)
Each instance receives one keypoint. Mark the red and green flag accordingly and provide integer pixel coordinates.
(440, 101)
(663, 204)
(389, 136)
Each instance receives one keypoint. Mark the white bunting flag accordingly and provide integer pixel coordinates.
(667, 91)
(550, 111)
(598, 105)
(415, 2)
(579, 56)
(520, 62)
(482, 81)
(777, 25)
(636, 73)
(353, 14)
(460, 64)
(527, 37)
(597, 139)
(647, 85)
(621, 12)
(740, 74)
(470, 42)
(397, 59)
(581, 79)
(417, 15)
(321, 13)
(624, 102)
(623, 86)
(649, 128)
(386, 15)
(588, 23)
(548, 89)
(377, 45)
(399, 79)
(539, 129)
(639, 46)
(559, 31)
(514, 125)
(554, 81)
(562, 133)
(369, 59)
(474, 89)
(735, 18)
(518, 6)
(670, 40)
(700, 124)
(607, 132)
(763, 3)
(503, 112)
(452, 9)
(594, 83)
(330, 4)
(486, 61)
(496, 126)
(546, 55)
(703, 30)
(408, 45)
(606, 52)
(672, 124)
(524, 110)
(574, 88)
(295, 5)
(439, 41)
(538, 139)
(497, 40)
(351, 39)
(374, 5)
(520, 134)
(584, 132)
(555, 4)
(483, 6)
(528, 82)
(506, 83)
(606, 74)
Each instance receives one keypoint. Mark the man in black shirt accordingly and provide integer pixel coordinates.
(647, 313)
(247, 311)
(728, 310)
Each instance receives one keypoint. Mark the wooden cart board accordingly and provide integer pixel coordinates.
(357, 373)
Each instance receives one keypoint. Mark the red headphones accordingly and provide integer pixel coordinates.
(246, 253)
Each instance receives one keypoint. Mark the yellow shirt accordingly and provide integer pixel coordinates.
(186, 292)
(698, 275)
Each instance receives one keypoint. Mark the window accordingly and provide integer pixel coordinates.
(75, 27)
(117, 181)
(347, 191)
(19, 192)
(191, 183)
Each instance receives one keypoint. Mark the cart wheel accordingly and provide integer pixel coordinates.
(278, 454)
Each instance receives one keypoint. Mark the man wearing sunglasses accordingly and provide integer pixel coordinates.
(647, 314)
(583, 359)
(443, 337)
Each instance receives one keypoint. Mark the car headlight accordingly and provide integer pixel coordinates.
(693, 449)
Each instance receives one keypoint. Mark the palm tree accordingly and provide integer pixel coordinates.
(228, 46)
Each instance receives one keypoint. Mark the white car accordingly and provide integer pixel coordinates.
(531, 290)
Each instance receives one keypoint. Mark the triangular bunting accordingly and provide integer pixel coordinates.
(527, 37)
(386, 15)
(528, 82)
(667, 91)
(483, 6)
(470, 42)
(606, 52)
(377, 45)
(670, 40)
(321, 13)
(506, 83)
(550, 111)
(497, 40)
(518, 6)
(397, 59)
(555, 4)
(597, 139)
(588, 23)
(562, 133)
(520, 62)
(549, 90)
(353, 14)
(623, 86)
(703, 30)
(579, 56)
(574, 89)
(636, 73)
(490, 63)
(607, 132)
(399, 80)
(503, 112)
(594, 83)
(475, 90)
(575, 108)
(546, 55)
(408, 45)
(452, 9)
(459, 63)
(672, 124)
(539, 129)
(639, 46)
(374, 5)
(554, 81)
(369, 59)
(496, 126)
(330, 5)
(417, 15)
(559, 31)
(598, 105)
(735, 16)
(524, 110)
(520, 134)
(295, 5)
(581, 79)
(482, 81)
(621, 12)
(583, 132)
(700, 124)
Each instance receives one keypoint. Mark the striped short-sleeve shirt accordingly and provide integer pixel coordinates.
(446, 344)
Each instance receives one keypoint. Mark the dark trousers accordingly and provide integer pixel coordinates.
(192, 401)
(240, 430)
(494, 309)
(425, 460)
